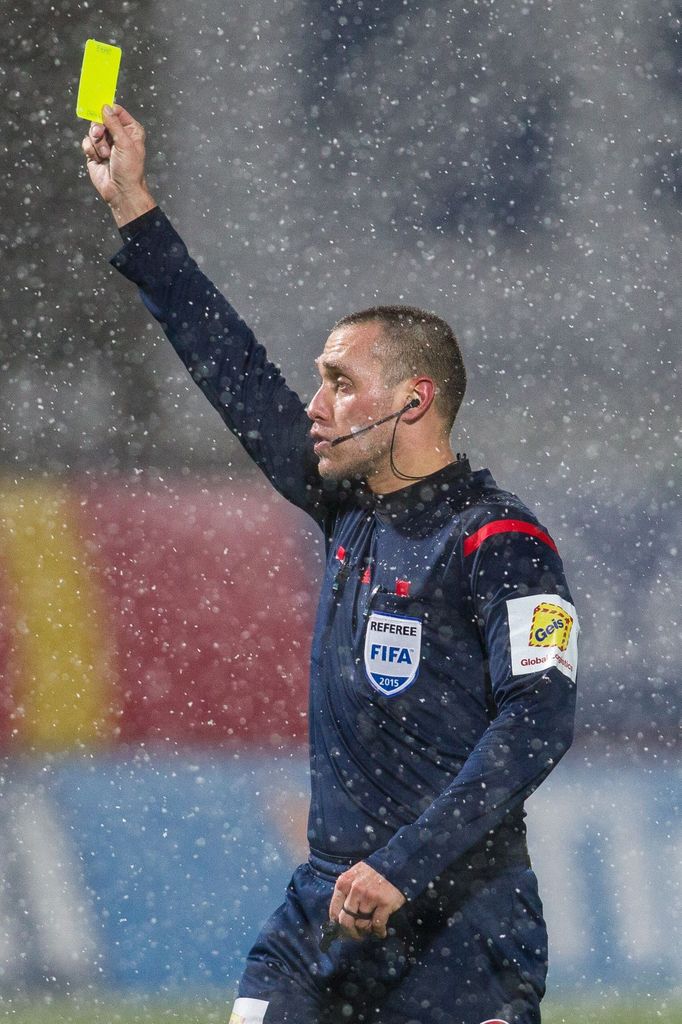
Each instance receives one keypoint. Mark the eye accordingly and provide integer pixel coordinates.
(342, 384)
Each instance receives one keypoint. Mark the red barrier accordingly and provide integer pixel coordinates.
(205, 610)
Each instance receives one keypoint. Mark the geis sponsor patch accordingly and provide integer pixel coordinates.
(543, 633)
(551, 627)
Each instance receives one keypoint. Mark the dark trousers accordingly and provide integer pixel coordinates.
(469, 951)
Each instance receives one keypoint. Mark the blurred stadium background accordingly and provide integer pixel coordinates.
(517, 169)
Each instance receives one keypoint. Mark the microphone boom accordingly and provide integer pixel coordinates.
(377, 423)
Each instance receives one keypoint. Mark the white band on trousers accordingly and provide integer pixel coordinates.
(248, 1011)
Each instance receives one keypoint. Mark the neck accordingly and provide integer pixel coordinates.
(414, 462)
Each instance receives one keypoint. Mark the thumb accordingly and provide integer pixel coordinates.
(116, 119)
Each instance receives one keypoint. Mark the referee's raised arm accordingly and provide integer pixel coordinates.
(217, 347)
(115, 156)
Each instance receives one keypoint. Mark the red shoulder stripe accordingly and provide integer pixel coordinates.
(505, 526)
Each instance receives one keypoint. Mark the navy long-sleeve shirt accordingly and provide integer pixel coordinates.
(442, 677)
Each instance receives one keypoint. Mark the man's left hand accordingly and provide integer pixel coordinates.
(362, 890)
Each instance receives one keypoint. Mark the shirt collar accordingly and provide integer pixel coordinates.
(418, 496)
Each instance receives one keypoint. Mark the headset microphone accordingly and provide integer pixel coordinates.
(377, 423)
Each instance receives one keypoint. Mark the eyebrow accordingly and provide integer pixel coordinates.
(332, 367)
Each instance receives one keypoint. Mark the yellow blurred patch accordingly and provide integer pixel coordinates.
(59, 633)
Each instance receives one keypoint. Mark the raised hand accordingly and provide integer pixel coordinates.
(115, 154)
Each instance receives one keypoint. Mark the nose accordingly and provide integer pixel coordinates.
(317, 406)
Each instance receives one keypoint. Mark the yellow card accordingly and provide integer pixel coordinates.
(98, 79)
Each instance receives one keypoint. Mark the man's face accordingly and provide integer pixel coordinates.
(352, 395)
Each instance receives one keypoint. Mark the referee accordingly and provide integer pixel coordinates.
(443, 666)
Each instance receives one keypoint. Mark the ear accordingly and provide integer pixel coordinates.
(424, 390)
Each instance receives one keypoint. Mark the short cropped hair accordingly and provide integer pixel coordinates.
(419, 342)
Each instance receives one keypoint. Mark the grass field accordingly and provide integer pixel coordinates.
(654, 1011)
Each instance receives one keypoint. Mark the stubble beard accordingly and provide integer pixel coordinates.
(360, 467)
